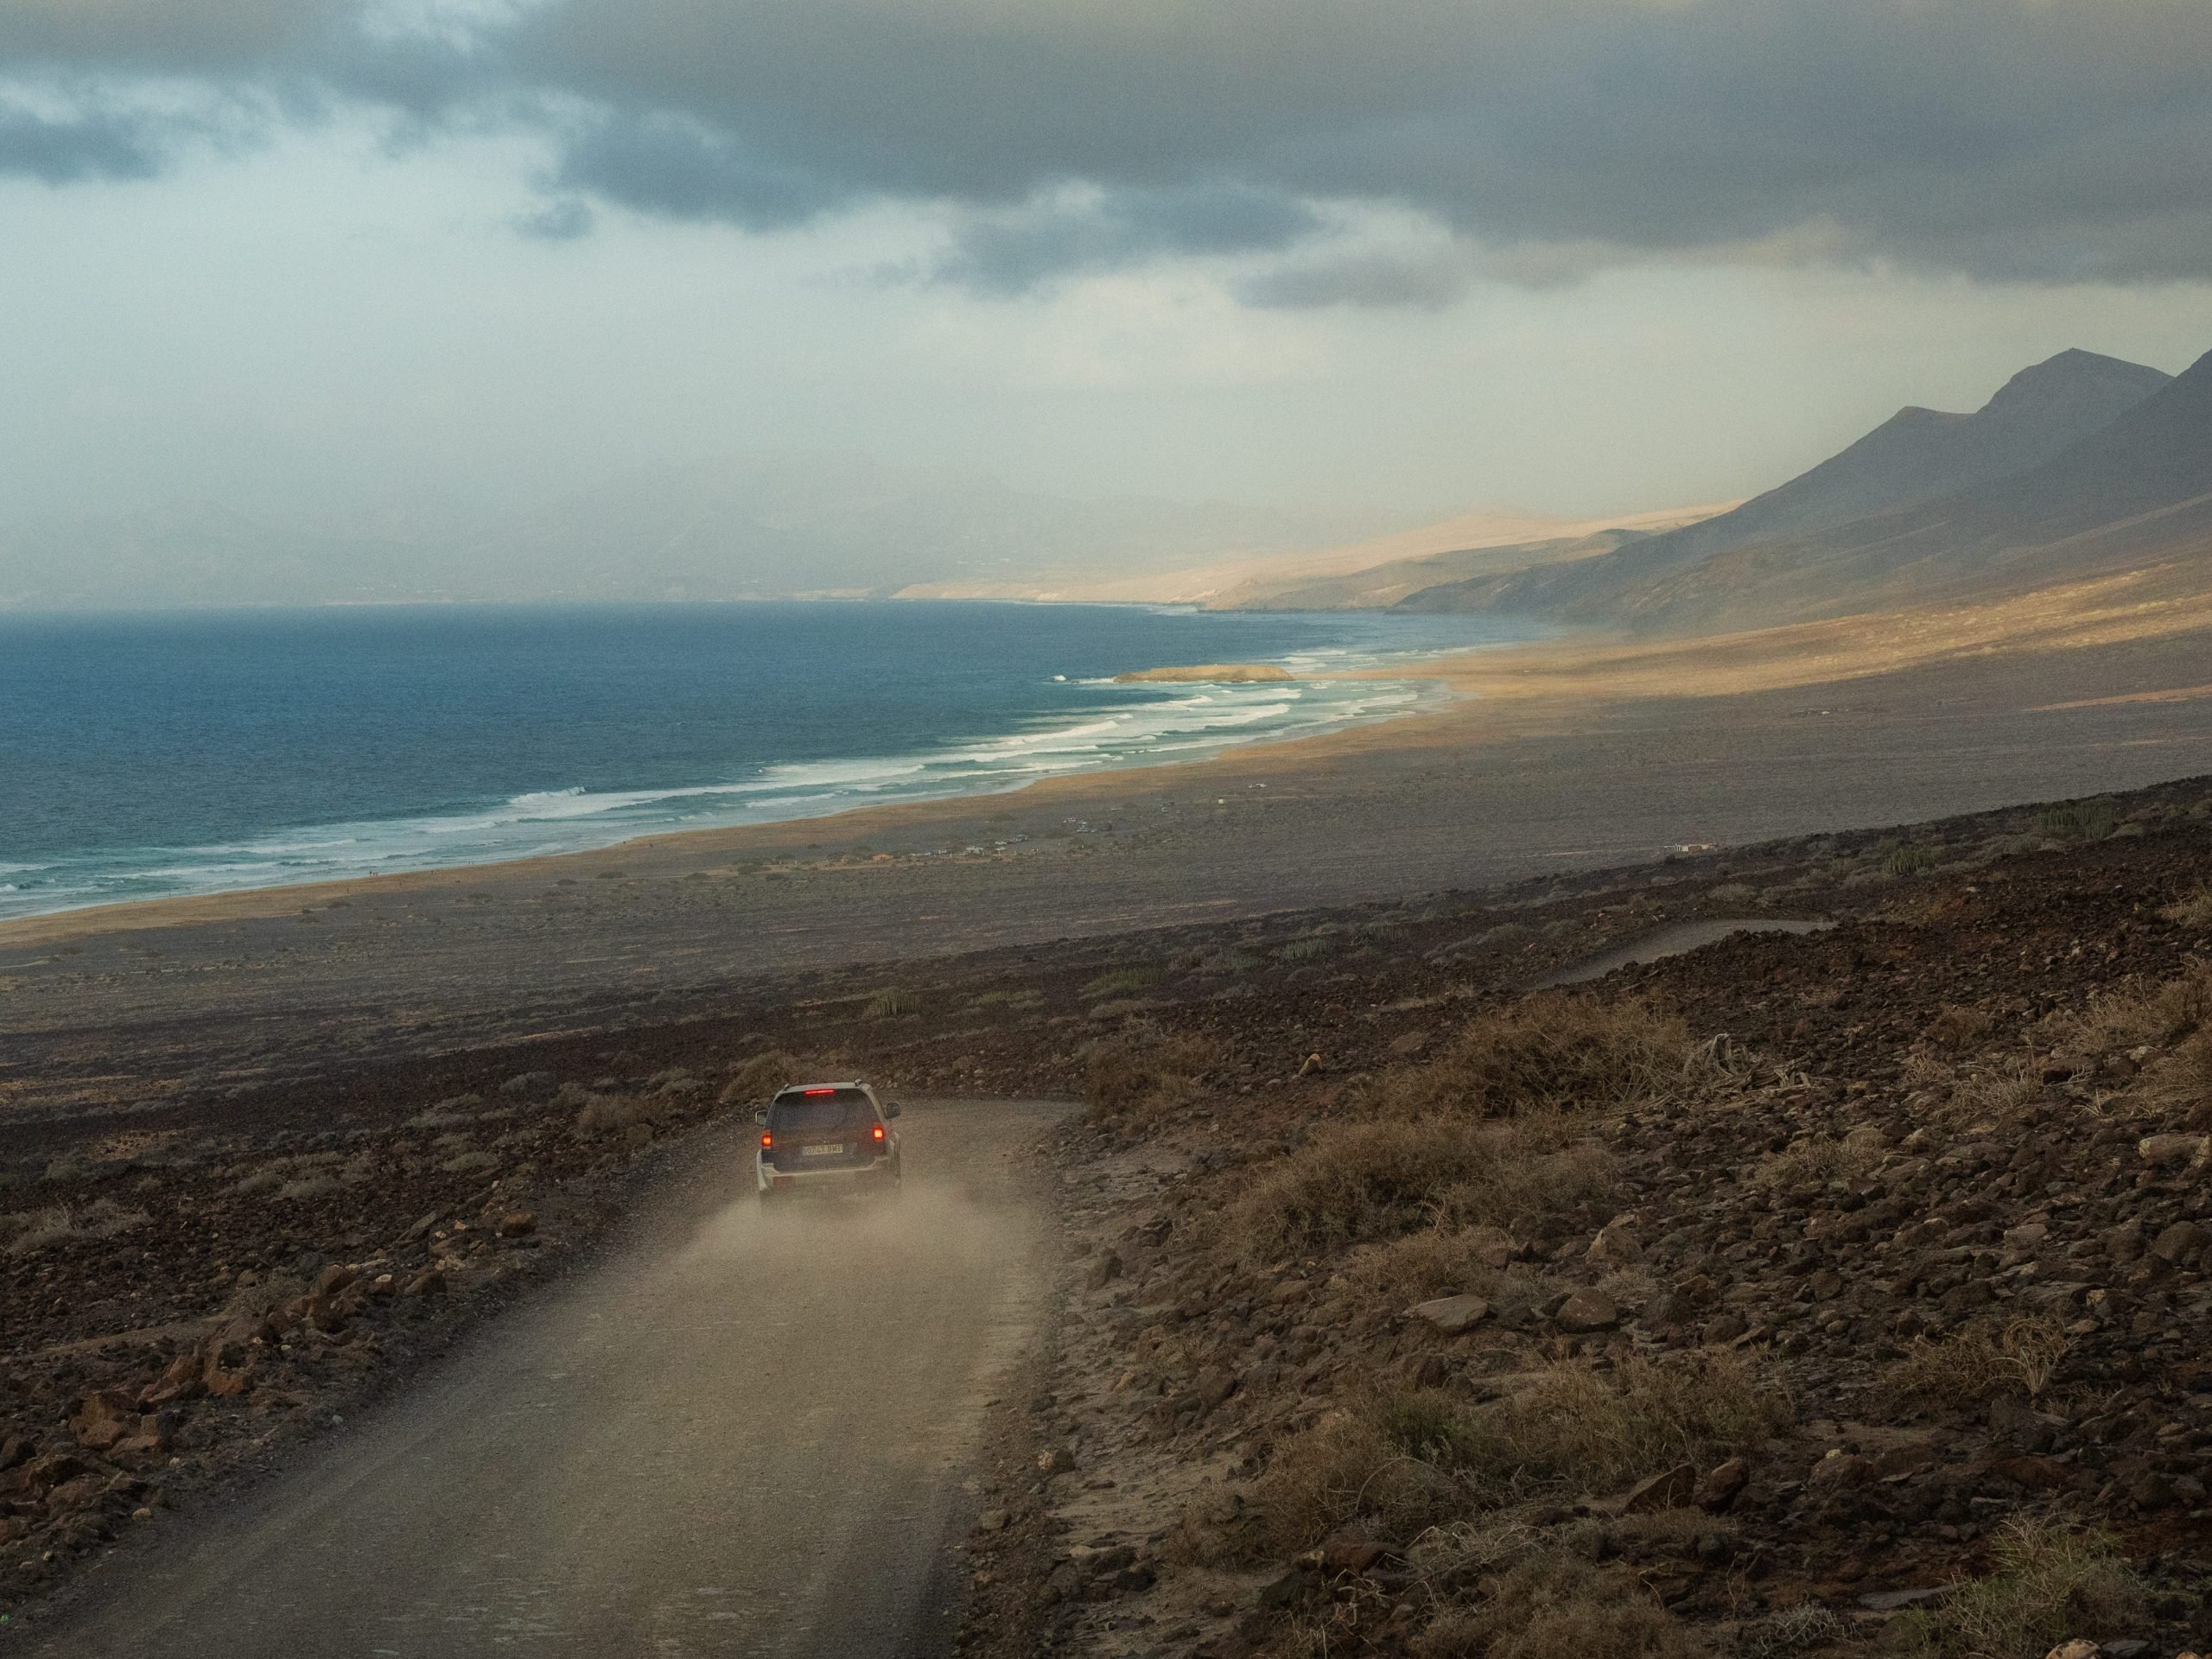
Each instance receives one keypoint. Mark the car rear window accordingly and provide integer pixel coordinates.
(847, 1108)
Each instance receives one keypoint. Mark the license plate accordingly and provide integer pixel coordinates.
(822, 1152)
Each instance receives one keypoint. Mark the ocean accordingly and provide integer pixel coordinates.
(149, 755)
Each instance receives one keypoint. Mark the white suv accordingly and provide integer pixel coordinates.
(833, 1136)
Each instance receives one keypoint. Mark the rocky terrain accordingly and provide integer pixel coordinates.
(1829, 1294)
(1752, 1299)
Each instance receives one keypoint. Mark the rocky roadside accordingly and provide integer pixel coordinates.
(1880, 1322)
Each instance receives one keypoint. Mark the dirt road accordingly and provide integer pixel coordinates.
(739, 1434)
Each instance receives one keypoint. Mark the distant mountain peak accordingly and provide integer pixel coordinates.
(2074, 374)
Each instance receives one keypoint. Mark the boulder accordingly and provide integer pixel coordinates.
(517, 1224)
(102, 1418)
(1721, 1485)
(1669, 1490)
(1617, 1243)
(2167, 1151)
(1349, 1551)
(1841, 1470)
(1587, 1311)
(181, 1379)
(1450, 1315)
(2183, 1238)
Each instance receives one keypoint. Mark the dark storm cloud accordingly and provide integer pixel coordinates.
(162, 37)
(1015, 250)
(2044, 139)
(68, 148)
(2038, 140)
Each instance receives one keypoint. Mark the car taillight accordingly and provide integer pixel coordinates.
(767, 1140)
(879, 1132)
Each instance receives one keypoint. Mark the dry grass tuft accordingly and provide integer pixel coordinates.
(2052, 1582)
(1999, 1091)
(1436, 1261)
(1134, 1081)
(1554, 1605)
(611, 1114)
(1976, 1366)
(2135, 1015)
(1344, 1468)
(102, 1218)
(1817, 1159)
(1354, 1183)
(761, 1077)
(2193, 909)
(1610, 1428)
(1954, 1027)
(1402, 1462)
(1554, 1052)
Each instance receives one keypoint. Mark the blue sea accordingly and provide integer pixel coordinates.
(143, 756)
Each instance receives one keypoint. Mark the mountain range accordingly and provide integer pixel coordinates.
(2082, 465)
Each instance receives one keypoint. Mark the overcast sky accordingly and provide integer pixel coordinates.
(1583, 256)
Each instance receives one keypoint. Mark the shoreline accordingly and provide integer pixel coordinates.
(1440, 695)
(1549, 689)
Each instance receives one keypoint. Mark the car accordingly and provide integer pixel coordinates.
(826, 1137)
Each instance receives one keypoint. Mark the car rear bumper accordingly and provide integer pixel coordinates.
(880, 1172)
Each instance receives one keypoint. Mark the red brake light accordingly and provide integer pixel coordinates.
(766, 1139)
(812, 1093)
(878, 1131)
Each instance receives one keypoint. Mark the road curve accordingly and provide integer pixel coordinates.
(739, 1434)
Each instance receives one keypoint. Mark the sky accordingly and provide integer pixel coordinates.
(1578, 256)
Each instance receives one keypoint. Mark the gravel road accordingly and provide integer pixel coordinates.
(736, 1434)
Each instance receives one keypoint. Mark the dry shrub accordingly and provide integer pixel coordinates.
(2182, 1077)
(444, 1113)
(1595, 1428)
(1793, 1630)
(2000, 1091)
(1342, 1469)
(2193, 909)
(1553, 1051)
(1817, 1159)
(1402, 1462)
(759, 1078)
(1974, 1366)
(1554, 1605)
(2135, 1015)
(1923, 1068)
(1436, 1261)
(1955, 1026)
(102, 1218)
(1352, 1183)
(1136, 1081)
(611, 1114)
(2052, 1582)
